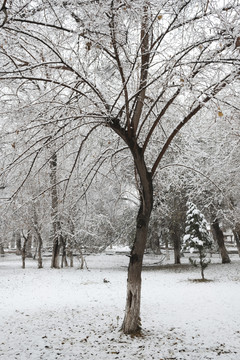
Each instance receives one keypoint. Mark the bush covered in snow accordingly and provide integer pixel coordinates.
(196, 237)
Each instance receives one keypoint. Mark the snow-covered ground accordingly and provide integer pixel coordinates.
(74, 314)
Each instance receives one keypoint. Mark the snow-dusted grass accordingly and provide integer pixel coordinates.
(74, 314)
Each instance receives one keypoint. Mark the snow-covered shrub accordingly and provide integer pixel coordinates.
(196, 237)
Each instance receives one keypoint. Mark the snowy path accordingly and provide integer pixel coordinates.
(73, 314)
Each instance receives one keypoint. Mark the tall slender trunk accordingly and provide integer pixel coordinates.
(219, 238)
(131, 323)
(54, 212)
(39, 239)
(40, 264)
(25, 241)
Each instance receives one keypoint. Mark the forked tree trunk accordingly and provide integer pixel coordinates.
(132, 323)
(219, 238)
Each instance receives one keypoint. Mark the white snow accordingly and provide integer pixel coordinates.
(73, 314)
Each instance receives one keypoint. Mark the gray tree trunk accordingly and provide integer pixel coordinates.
(176, 240)
(54, 213)
(219, 238)
(177, 250)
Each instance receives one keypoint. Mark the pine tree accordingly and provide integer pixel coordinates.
(196, 237)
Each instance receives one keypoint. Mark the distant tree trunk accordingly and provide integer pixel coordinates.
(35, 247)
(1, 249)
(236, 233)
(64, 253)
(167, 249)
(177, 248)
(219, 238)
(25, 240)
(71, 258)
(71, 241)
(40, 264)
(13, 241)
(54, 213)
(38, 238)
(81, 258)
(175, 234)
(18, 243)
(29, 246)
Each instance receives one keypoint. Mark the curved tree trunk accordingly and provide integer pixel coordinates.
(131, 323)
(219, 238)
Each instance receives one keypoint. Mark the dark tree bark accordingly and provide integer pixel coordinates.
(219, 238)
(177, 222)
(131, 323)
(177, 246)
